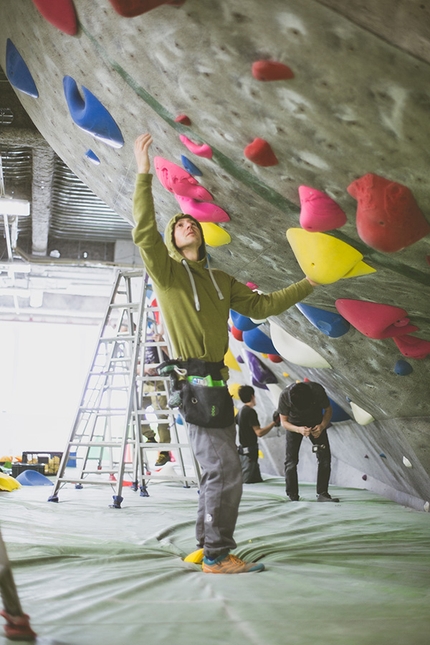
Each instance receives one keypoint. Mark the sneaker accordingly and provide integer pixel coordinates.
(326, 497)
(294, 498)
(163, 458)
(230, 564)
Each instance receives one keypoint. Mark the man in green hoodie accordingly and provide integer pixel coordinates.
(196, 301)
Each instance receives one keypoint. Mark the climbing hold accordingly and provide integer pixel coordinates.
(413, 347)
(199, 149)
(252, 286)
(90, 115)
(33, 478)
(329, 323)
(233, 388)
(231, 362)
(275, 358)
(202, 211)
(406, 462)
(306, 380)
(388, 217)
(242, 322)
(339, 413)
(183, 118)
(240, 360)
(375, 320)
(361, 416)
(91, 156)
(293, 350)
(261, 375)
(324, 258)
(403, 368)
(319, 212)
(260, 153)
(215, 235)
(258, 341)
(382, 455)
(60, 13)
(236, 333)
(17, 71)
(178, 181)
(190, 167)
(270, 70)
(285, 374)
(8, 483)
(364, 477)
(366, 456)
(132, 8)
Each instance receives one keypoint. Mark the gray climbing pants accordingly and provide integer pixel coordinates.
(220, 489)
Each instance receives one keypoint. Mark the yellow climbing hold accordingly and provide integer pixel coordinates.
(324, 258)
(231, 362)
(8, 483)
(196, 557)
(215, 235)
(233, 388)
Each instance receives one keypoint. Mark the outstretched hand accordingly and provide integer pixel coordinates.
(141, 152)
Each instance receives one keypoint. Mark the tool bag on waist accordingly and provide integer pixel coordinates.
(199, 390)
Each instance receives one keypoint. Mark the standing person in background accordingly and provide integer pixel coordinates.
(305, 411)
(249, 431)
(196, 301)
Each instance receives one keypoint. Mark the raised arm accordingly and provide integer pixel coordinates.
(141, 153)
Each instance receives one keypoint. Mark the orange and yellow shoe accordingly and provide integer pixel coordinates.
(230, 564)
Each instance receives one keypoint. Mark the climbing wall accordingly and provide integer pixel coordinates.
(297, 136)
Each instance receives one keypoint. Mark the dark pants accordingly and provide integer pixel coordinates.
(250, 467)
(294, 440)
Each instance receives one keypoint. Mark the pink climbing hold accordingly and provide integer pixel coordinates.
(252, 286)
(260, 153)
(413, 347)
(319, 211)
(132, 8)
(201, 150)
(183, 118)
(61, 14)
(202, 211)
(375, 320)
(388, 217)
(178, 181)
(270, 70)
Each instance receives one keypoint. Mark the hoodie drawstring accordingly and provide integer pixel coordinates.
(193, 284)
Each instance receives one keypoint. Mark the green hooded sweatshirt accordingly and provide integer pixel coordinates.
(194, 299)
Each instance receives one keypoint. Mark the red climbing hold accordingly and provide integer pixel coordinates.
(319, 211)
(413, 347)
(270, 70)
(275, 358)
(388, 217)
(183, 118)
(236, 333)
(260, 153)
(375, 320)
(132, 8)
(61, 14)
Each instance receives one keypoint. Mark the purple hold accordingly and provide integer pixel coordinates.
(258, 370)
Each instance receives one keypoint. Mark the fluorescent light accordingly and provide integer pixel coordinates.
(14, 206)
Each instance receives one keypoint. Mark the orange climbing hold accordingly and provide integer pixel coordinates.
(132, 8)
(270, 70)
(260, 153)
(375, 320)
(413, 347)
(388, 217)
(319, 211)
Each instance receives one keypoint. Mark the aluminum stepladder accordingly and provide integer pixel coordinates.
(106, 441)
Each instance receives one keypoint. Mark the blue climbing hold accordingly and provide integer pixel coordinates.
(90, 115)
(382, 455)
(259, 341)
(329, 323)
(33, 478)
(190, 167)
(91, 156)
(339, 413)
(17, 71)
(403, 368)
(243, 323)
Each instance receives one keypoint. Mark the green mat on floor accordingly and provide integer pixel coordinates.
(357, 572)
